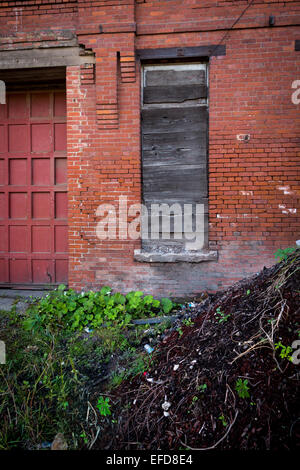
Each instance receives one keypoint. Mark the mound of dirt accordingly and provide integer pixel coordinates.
(227, 380)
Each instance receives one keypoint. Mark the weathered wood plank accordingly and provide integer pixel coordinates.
(179, 156)
(173, 94)
(175, 210)
(175, 147)
(173, 140)
(174, 77)
(168, 171)
(187, 119)
(172, 200)
(188, 184)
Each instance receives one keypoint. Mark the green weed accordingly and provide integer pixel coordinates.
(242, 388)
(283, 254)
(103, 406)
(223, 420)
(221, 316)
(285, 351)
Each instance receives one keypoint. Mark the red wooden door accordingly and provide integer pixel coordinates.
(33, 189)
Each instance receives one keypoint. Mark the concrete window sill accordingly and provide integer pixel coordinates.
(185, 257)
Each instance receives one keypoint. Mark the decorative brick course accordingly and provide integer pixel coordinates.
(87, 74)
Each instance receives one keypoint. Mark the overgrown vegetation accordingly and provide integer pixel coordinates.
(71, 310)
(58, 354)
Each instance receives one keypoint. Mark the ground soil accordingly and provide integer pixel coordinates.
(195, 370)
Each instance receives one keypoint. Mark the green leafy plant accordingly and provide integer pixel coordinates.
(282, 254)
(223, 420)
(285, 351)
(103, 406)
(187, 322)
(106, 290)
(179, 330)
(117, 378)
(194, 400)
(221, 316)
(138, 306)
(167, 305)
(84, 437)
(242, 388)
(202, 388)
(63, 308)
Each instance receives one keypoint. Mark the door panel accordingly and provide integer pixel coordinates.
(33, 189)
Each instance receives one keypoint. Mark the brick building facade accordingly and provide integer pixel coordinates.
(58, 164)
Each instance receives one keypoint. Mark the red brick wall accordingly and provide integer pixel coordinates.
(253, 186)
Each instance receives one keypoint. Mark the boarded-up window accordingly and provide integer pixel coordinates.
(174, 154)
